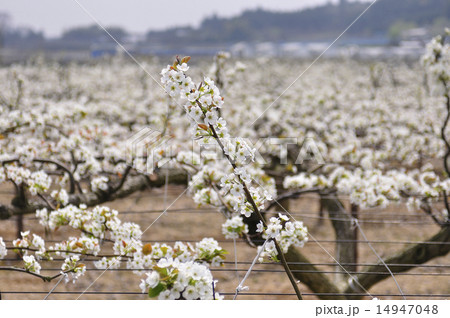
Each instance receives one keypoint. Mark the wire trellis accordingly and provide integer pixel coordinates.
(394, 218)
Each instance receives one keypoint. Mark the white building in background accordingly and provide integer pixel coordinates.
(417, 37)
(293, 49)
(268, 49)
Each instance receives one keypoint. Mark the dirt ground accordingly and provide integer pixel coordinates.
(195, 224)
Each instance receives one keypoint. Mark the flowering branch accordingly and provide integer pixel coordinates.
(260, 217)
(203, 103)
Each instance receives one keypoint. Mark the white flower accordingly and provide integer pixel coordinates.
(190, 293)
(99, 183)
(211, 118)
(39, 182)
(3, 250)
(183, 67)
(195, 113)
(165, 262)
(260, 227)
(71, 269)
(108, 263)
(234, 227)
(152, 279)
(31, 264)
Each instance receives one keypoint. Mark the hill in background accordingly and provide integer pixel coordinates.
(386, 18)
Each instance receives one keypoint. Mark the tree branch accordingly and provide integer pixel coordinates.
(22, 270)
(311, 276)
(132, 185)
(416, 254)
(290, 195)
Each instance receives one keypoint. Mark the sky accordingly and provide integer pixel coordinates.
(54, 16)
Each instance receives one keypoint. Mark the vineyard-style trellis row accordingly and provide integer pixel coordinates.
(380, 130)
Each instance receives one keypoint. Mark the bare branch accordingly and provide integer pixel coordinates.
(416, 254)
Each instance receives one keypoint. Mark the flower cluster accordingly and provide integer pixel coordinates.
(202, 103)
(287, 233)
(103, 223)
(95, 221)
(18, 175)
(437, 59)
(60, 196)
(99, 183)
(234, 227)
(233, 188)
(207, 251)
(108, 263)
(39, 182)
(172, 279)
(72, 269)
(82, 245)
(31, 264)
(34, 242)
(375, 188)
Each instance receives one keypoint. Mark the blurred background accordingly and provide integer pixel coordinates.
(63, 30)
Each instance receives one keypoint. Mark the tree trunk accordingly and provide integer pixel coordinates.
(344, 230)
(311, 276)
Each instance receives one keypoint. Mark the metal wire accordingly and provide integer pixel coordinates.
(271, 264)
(229, 294)
(261, 241)
(390, 218)
(268, 271)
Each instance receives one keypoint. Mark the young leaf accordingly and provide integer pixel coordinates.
(155, 291)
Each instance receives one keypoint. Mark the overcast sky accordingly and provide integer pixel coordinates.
(54, 16)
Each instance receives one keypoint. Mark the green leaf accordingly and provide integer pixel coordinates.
(155, 291)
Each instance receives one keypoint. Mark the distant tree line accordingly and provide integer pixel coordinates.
(319, 23)
(386, 18)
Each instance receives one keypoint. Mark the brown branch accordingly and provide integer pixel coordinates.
(13, 128)
(291, 195)
(425, 207)
(416, 254)
(49, 204)
(122, 180)
(22, 270)
(311, 276)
